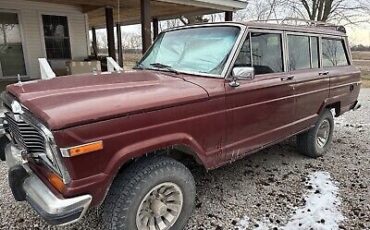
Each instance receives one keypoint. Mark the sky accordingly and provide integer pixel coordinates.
(359, 34)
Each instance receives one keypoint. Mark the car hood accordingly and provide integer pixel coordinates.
(81, 99)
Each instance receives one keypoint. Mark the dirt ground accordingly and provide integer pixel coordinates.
(267, 186)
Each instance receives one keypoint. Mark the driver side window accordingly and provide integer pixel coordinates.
(263, 51)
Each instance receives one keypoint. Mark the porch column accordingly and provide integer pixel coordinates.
(155, 28)
(228, 16)
(119, 44)
(110, 31)
(94, 43)
(146, 27)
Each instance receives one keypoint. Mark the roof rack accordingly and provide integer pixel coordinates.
(305, 22)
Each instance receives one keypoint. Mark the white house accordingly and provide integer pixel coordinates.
(59, 29)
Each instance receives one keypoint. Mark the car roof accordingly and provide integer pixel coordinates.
(320, 29)
(314, 28)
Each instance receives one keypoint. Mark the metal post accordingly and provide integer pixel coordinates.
(146, 27)
(110, 32)
(228, 16)
(94, 43)
(119, 44)
(155, 28)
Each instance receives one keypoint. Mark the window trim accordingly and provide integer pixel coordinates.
(318, 50)
(233, 53)
(310, 36)
(249, 34)
(42, 33)
(309, 47)
(285, 34)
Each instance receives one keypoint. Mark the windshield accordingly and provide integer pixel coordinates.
(195, 50)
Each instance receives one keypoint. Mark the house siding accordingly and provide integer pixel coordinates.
(29, 14)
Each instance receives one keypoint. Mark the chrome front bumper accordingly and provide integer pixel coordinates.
(25, 185)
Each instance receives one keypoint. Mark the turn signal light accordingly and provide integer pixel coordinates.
(56, 181)
(83, 149)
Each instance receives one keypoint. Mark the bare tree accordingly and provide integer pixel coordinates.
(4, 28)
(337, 11)
(190, 20)
(343, 11)
(262, 10)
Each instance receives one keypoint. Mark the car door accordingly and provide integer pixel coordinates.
(260, 111)
(343, 76)
(311, 83)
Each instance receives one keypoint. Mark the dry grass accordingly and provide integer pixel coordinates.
(365, 78)
(362, 61)
(361, 55)
(130, 59)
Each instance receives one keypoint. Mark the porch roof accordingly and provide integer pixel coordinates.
(129, 12)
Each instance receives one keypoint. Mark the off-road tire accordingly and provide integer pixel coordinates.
(307, 142)
(130, 187)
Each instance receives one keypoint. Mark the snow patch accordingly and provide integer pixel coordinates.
(321, 210)
(243, 223)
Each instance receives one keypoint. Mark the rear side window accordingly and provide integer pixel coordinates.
(303, 52)
(263, 51)
(333, 52)
(299, 52)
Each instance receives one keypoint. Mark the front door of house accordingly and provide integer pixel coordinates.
(11, 49)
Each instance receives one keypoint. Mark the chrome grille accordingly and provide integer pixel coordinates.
(25, 134)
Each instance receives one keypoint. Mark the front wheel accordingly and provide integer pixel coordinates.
(317, 141)
(157, 193)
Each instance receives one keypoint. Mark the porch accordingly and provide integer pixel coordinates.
(60, 28)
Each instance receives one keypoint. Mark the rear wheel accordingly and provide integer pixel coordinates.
(156, 193)
(317, 141)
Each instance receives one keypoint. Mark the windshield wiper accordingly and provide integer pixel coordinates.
(140, 67)
(166, 67)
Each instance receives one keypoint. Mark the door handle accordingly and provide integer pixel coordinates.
(325, 73)
(290, 78)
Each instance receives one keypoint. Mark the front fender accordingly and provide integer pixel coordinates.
(144, 147)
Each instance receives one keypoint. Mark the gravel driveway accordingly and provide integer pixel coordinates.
(269, 189)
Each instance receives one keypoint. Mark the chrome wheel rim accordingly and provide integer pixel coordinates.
(160, 208)
(323, 133)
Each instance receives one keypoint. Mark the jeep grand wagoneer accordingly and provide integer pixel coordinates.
(213, 92)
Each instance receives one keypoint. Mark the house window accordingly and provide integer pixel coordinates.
(56, 34)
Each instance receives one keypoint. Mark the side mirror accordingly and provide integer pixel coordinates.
(241, 73)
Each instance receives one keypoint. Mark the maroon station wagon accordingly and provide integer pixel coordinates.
(214, 93)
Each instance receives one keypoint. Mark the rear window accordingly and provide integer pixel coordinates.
(303, 52)
(334, 52)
